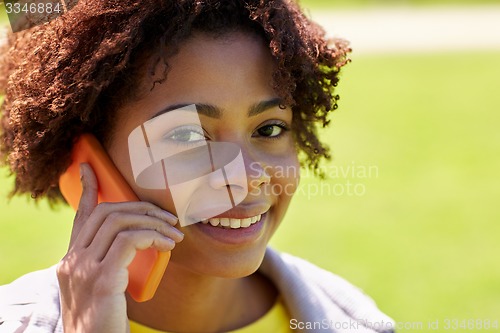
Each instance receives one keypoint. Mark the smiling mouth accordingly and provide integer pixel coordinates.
(232, 223)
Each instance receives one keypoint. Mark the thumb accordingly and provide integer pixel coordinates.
(88, 200)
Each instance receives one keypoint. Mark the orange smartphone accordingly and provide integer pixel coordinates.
(148, 266)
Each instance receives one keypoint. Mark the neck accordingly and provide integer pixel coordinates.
(190, 302)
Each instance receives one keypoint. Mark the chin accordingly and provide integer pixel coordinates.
(225, 253)
(229, 265)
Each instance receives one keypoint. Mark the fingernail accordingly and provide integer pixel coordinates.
(180, 233)
(170, 216)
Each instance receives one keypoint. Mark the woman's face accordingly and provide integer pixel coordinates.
(231, 76)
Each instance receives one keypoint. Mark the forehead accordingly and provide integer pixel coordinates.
(214, 70)
(194, 57)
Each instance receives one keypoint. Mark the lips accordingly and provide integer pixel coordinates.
(233, 223)
(235, 227)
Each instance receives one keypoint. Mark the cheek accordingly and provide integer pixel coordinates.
(285, 177)
(160, 197)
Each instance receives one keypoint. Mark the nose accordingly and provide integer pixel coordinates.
(256, 174)
(241, 172)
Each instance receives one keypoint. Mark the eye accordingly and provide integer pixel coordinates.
(186, 135)
(274, 130)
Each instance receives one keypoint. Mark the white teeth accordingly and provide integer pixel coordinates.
(225, 222)
(245, 222)
(235, 223)
(232, 223)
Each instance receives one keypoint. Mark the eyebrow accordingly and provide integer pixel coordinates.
(264, 106)
(213, 111)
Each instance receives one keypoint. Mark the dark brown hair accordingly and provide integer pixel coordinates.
(68, 76)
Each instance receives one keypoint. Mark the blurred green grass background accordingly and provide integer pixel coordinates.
(421, 234)
(423, 239)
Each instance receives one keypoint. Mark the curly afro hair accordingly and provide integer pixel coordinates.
(69, 76)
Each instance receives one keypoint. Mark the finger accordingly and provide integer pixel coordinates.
(118, 222)
(88, 200)
(126, 244)
(103, 210)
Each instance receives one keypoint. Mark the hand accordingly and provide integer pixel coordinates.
(93, 275)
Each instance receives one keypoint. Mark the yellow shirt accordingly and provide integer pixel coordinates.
(276, 320)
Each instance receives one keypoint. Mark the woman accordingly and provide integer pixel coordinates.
(261, 77)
